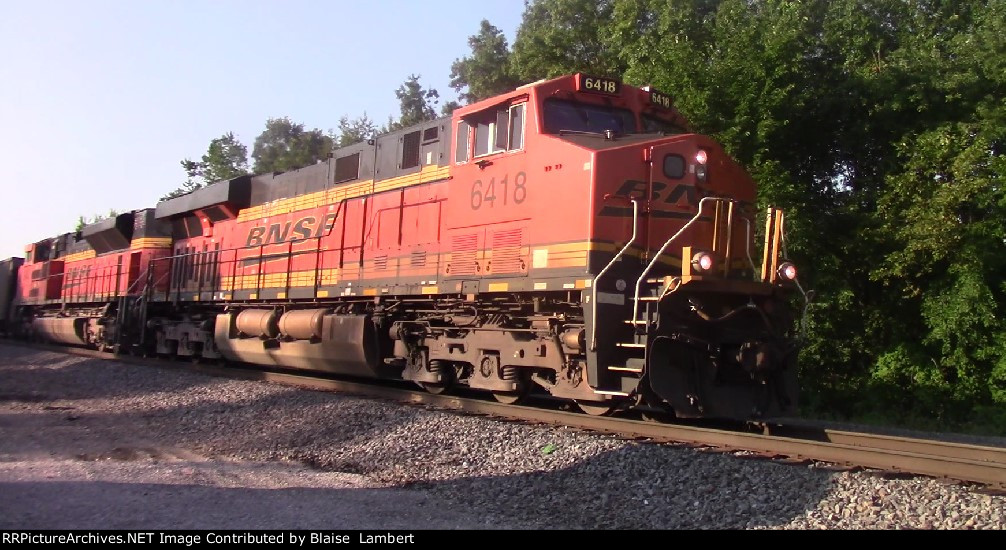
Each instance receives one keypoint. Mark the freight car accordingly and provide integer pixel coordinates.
(569, 237)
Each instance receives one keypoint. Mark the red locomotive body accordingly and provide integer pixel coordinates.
(570, 236)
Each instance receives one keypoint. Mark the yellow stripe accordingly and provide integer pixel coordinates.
(334, 196)
(151, 242)
(85, 255)
(564, 255)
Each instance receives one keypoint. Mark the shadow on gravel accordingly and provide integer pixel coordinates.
(28, 375)
(64, 505)
(612, 489)
(587, 495)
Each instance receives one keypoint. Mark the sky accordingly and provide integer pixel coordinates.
(100, 100)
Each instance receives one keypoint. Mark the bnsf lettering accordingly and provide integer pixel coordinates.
(274, 235)
(304, 228)
(637, 189)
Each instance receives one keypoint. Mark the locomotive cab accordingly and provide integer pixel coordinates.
(680, 311)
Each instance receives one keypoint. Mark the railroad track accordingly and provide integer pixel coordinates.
(956, 461)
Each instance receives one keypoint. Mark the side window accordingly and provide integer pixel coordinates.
(499, 130)
(517, 127)
(483, 133)
(461, 146)
(502, 123)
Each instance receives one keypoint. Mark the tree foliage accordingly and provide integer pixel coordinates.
(285, 145)
(83, 221)
(417, 104)
(487, 71)
(449, 108)
(355, 130)
(559, 37)
(225, 158)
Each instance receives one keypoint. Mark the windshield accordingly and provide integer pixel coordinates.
(653, 124)
(563, 114)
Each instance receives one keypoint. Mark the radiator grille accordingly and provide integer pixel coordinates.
(507, 248)
(464, 249)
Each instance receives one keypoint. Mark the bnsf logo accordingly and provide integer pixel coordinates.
(637, 189)
(304, 228)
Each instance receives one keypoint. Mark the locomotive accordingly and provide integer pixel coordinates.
(570, 237)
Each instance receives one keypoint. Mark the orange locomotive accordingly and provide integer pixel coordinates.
(570, 236)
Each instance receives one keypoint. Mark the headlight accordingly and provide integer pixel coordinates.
(701, 169)
(787, 271)
(702, 262)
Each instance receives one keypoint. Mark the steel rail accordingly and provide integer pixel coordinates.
(940, 459)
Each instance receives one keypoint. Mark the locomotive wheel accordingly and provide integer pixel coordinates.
(435, 389)
(447, 378)
(513, 397)
(596, 408)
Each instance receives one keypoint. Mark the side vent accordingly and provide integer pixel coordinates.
(347, 168)
(417, 258)
(410, 150)
(381, 262)
(509, 255)
(464, 250)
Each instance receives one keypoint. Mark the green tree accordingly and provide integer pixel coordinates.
(285, 145)
(417, 104)
(355, 130)
(877, 125)
(558, 37)
(943, 212)
(225, 158)
(487, 71)
(83, 221)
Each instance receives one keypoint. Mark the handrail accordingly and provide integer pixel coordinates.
(653, 262)
(747, 247)
(139, 277)
(234, 261)
(87, 286)
(615, 258)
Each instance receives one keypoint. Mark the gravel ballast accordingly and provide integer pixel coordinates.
(175, 444)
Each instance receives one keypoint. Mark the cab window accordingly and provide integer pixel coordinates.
(461, 144)
(573, 116)
(654, 125)
(495, 130)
